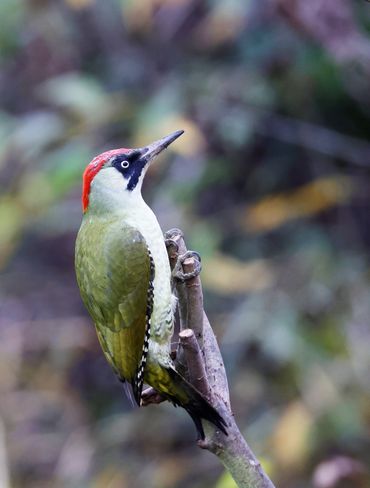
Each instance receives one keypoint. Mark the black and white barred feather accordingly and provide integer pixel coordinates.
(137, 384)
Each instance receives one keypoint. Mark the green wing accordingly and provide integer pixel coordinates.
(115, 272)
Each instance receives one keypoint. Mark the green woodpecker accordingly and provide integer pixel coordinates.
(124, 278)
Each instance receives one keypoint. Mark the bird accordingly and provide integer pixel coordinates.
(124, 277)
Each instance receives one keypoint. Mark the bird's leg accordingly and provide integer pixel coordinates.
(174, 234)
(172, 238)
(178, 272)
(171, 242)
(150, 396)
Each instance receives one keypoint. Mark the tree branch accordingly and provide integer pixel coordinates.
(199, 351)
(194, 290)
(175, 248)
(195, 362)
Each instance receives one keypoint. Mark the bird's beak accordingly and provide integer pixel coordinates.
(152, 150)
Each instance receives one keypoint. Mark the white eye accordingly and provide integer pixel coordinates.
(125, 164)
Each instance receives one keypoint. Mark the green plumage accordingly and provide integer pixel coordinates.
(113, 272)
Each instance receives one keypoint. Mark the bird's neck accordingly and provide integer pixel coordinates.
(110, 196)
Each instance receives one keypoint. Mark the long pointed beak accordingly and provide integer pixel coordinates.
(151, 151)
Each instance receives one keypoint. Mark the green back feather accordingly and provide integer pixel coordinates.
(114, 273)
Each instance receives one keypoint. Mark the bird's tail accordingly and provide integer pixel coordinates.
(182, 393)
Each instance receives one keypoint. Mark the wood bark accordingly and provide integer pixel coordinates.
(199, 353)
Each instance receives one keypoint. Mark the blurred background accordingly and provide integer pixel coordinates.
(270, 183)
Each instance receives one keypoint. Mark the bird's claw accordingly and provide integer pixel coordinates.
(149, 396)
(172, 233)
(171, 243)
(171, 239)
(193, 254)
(178, 272)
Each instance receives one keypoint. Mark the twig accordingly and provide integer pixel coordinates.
(175, 248)
(195, 363)
(194, 314)
(216, 373)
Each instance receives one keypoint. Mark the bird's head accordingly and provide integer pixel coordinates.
(120, 171)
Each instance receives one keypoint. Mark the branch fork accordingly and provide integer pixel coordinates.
(198, 357)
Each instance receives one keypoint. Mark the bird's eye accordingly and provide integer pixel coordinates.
(125, 164)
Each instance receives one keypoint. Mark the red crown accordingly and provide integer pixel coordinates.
(92, 169)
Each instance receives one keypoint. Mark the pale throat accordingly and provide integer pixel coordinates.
(109, 194)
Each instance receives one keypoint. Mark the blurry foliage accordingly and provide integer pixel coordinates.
(226, 481)
(312, 198)
(270, 183)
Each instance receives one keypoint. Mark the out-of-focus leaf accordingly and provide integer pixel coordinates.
(65, 166)
(35, 132)
(205, 238)
(269, 319)
(80, 94)
(341, 471)
(189, 144)
(111, 477)
(320, 389)
(138, 16)
(169, 472)
(7, 124)
(79, 4)
(224, 22)
(226, 481)
(224, 274)
(35, 191)
(308, 200)
(290, 441)
(237, 127)
(341, 421)
(11, 14)
(163, 115)
(11, 221)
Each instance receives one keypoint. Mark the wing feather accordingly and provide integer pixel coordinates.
(115, 274)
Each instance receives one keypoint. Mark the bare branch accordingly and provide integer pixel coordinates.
(175, 247)
(195, 363)
(205, 369)
(215, 365)
(195, 299)
(212, 357)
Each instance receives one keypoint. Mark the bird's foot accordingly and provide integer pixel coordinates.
(178, 272)
(172, 233)
(171, 243)
(150, 396)
(171, 238)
